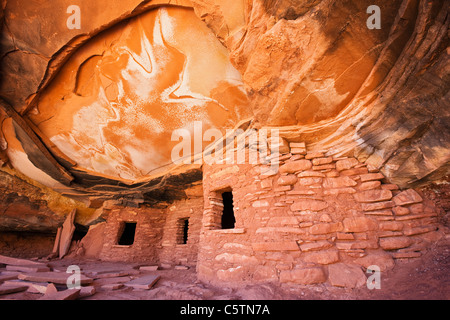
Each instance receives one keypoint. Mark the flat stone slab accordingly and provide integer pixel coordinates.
(68, 229)
(54, 277)
(19, 262)
(107, 281)
(5, 277)
(109, 275)
(69, 294)
(28, 268)
(112, 286)
(148, 268)
(144, 282)
(87, 291)
(181, 268)
(33, 287)
(12, 288)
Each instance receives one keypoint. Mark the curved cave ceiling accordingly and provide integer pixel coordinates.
(114, 105)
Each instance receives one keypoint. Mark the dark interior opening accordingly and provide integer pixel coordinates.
(79, 233)
(185, 225)
(128, 233)
(228, 219)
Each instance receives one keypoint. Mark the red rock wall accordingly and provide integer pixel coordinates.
(26, 244)
(150, 223)
(315, 220)
(173, 252)
(157, 234)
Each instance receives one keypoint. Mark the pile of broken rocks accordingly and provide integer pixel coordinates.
(55, 283)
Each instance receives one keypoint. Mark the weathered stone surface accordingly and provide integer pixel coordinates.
(310, 173)
(312, 155)
(287, 180)
(282, 221)
(275, 246)
(6, 277)
(112, 286)
(266, 183)
(379, 258)
(346, 164)
(280, 143)
(346, 275)
(148, 268)
(260, 203)
(408, 196)
(354, 171)
(265, 273)
(92, 242)
(369, 185)
(69, 294)
(303, 276)
(339, 182)
(418, 230)
(28, 268)
(401, 211)
(373, 195)
(20, 262)
(359, 224)
(296, 166)
(377, 205)
(390, 226)
(309, 204)
(321, 161)
(312, 246)
(321, 257)
(347, 190)
(143, 282)
(371, 176)
(393, 243)
(67, 233)
(54, 277)
(8, 288)
(308, 181)
(324, 228)
(231, 274)
(237, 258)
(33, 287)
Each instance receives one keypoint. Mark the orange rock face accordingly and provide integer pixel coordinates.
(114, 106)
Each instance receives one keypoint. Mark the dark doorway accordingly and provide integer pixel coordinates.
(184, 229)
(128, 233)
(228, 219)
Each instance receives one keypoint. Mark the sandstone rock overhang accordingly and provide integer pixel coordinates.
(314, 71)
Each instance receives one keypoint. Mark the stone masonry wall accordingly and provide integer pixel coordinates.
(317, 219)
(158, 233)
(173, 251)
(147, 241)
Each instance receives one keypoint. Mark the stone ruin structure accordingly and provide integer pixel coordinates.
(316, 218)
(88, 118)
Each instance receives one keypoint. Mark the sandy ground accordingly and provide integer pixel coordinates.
(424, 279)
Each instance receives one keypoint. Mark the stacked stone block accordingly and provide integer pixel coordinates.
(315, 220)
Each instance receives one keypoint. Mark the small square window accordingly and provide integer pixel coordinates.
(127, 234)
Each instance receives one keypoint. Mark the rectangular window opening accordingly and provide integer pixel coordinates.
(228, 219)
(128, 232)
(183, 231)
